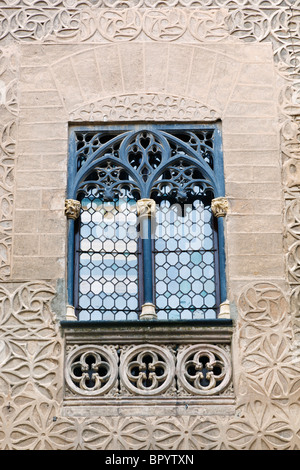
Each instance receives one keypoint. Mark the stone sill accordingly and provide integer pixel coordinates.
(137, 331)
(204, 408)
(115, 337)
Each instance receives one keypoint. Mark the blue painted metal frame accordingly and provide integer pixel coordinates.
(147, 267)
(127, 131)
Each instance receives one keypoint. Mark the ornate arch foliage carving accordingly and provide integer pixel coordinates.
(115, 22)
(136, 159)
(269, 361)
(144, 107)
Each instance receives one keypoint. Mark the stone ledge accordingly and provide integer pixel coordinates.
(109, 367)
(155, 331)
(155, 408)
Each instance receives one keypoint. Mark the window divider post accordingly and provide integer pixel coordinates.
(146, 213)
(72, 211)
(220, 207)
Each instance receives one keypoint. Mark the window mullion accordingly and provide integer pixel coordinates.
(146, 213)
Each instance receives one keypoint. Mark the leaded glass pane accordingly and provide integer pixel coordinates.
(108, 258)
(184, 261)
(112, 167)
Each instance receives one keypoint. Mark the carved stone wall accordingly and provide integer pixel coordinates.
(255, 46)
(139, 370)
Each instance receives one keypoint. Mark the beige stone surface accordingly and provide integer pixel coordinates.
(111, 74)
(213, 60)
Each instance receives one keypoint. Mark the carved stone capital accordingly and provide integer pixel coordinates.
(146, 207)
(219, 206)
(72, 208)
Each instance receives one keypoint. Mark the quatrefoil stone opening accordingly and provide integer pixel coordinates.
(203, 370)
(147, 370)
(92, 370)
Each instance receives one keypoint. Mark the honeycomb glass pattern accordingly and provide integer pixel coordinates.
(108, 259)
(185, 280)
(116, 270)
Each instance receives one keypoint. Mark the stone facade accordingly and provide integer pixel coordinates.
(103, 61)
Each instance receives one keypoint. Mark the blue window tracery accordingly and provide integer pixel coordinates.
(114, 268)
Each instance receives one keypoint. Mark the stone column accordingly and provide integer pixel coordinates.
(72, 211)
(146, 213)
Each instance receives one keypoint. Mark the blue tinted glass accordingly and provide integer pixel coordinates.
(184, 259)
(108, 263)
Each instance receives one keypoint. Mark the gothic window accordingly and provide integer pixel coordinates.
(146, 243)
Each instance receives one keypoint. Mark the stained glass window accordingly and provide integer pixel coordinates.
(108, 259)
(180, 169)
(185, 279)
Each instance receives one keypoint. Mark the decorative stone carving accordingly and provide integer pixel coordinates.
(203, 370)
(262, 307)
(219, 206)
(72, 208)
(293, 260)
(92, 370)
(165, 24)
(209, 25)
(269, 363)
(120, 25)
(263, 430)
(263, 303)
(146, 208)
(31, 349)
(147, 370)
(82, 23)
(144, 107)
(8, 112)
